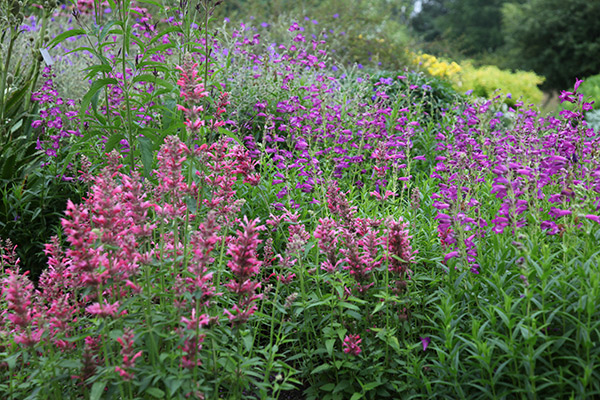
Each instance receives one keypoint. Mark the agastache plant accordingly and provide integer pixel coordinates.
(244, 265)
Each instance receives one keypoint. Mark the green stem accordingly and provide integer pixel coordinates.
(36, 65)
(6, 67)
(206, 47)
(125, 20)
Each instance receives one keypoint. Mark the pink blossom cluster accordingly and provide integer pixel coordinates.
(352, 345)
(244, 265)
(118, 231)
(356, 244)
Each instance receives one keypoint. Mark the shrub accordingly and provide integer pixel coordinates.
(485, 81)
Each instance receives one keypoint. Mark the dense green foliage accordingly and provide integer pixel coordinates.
(555, 38)
(472, 27)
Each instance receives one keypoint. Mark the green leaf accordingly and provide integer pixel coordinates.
(105, 31)
(349, 306)
(176, 29)
(173, 385)
(70, 363)
(322, 368)
(12, 360)
(112, 142)
(230, 134)
(328, 387)
(96, 86)
(115, 334)
(357, 396)
(155, 392)
(65, 35)
(378, 307)
(371, 385)
(392, 341)
(153, 79)
(153, 2)
(248, 340)
(356, 315)
(14, 100)
(329, 346)
(97, 390)
(160, 48)
(147, 152)
(96, 69)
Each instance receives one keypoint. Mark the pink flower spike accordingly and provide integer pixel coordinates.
(127, 341)
(351, 345)
(103, 310)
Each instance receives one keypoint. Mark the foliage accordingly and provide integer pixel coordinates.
(472, 27)
(435, 66)
(18, 72)
(305, 228)
(484, 81)
(364, 32)
(590, 88)
(487, 80)
(32, 207)
(554, 38)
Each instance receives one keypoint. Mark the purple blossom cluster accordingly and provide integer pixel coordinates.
(539, 170)
(58, 120)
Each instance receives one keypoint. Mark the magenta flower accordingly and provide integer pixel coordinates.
(557, 212)
(17, 289)
(351, 345)
(594, 218)
(126, 342)
(103, 310)
(195, 322)
(452, 254)
(244, 264)
(425, 342)
(400, 252)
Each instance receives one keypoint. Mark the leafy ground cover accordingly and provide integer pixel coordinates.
(259, 221)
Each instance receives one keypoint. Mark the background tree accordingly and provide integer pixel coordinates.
(472, 27)
(559, 39)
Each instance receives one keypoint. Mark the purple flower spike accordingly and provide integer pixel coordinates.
(452, 254)
(425, 342)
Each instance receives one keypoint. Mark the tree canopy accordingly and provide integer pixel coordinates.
(559, 39)
(473, 26)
